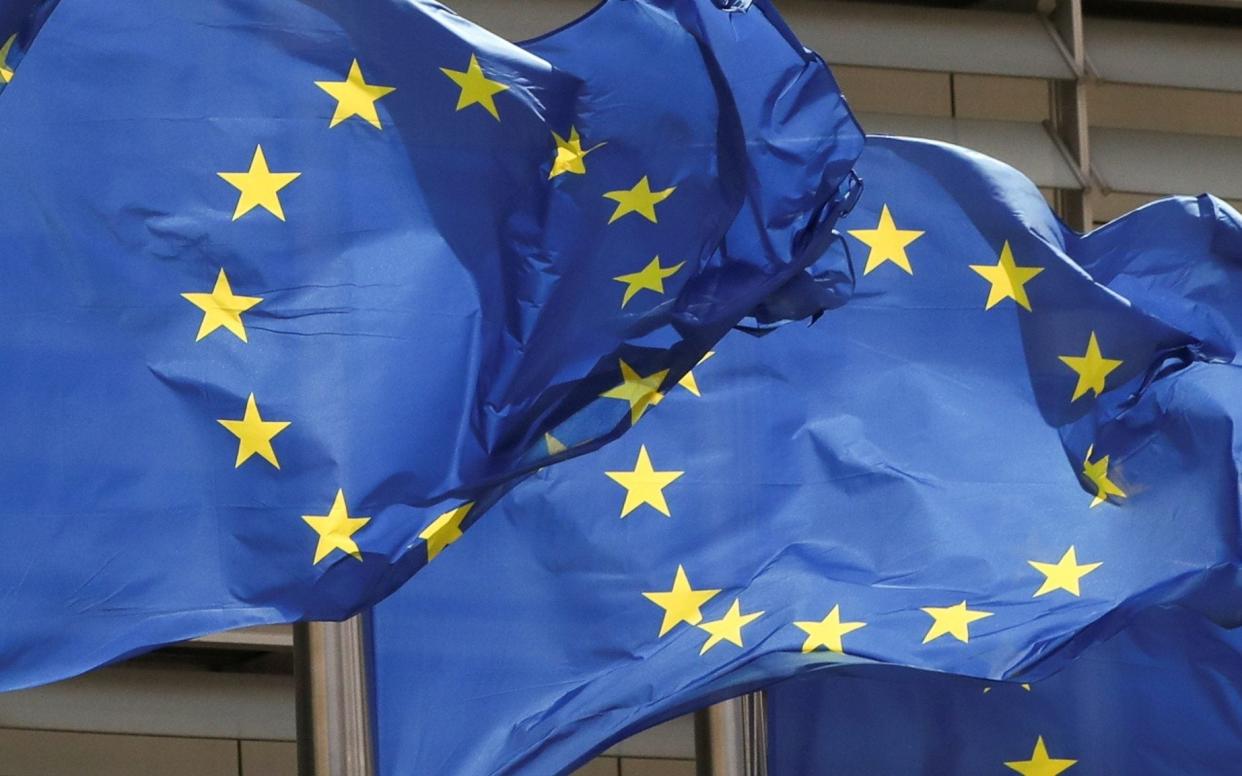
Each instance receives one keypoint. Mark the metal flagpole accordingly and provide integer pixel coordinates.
(333, 713)
(731, 737)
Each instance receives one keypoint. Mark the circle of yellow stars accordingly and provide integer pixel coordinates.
(684, 603)
(261, 187)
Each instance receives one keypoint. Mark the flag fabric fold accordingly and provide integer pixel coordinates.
(20, 21)
(287, 284)
(984, 462)
(1162, 696)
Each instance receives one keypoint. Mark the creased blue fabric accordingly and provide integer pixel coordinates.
(431, 284)
(910, 453)
(1163, 696)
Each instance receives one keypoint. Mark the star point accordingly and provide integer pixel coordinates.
(729, 627)
(254, 434)
(681, 604)
(444, 530)
(1096, 473)
(649, 278)
(887, 243)
(1007, 279)
(221, 308)
(1066, 574)
(644, 485)
(6, 70)
(688, 380)
(1040, 763)
(355, 97)
(827, 632)
(259, 186)
(640, 199)
(953, 621)
(1092, 368)
(336, 530)
(570, 155)
(476, 87)
(554, 445)
(639, 391)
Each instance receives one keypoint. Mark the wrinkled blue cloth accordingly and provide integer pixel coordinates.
(281, 277)
(1163, 696)
(914, 462)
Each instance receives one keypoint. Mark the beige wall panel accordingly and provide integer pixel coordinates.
(632, 766)
(159, 701)
(1023, 144)
(600, 766)
(671, 740)
(884, 90)
(1106, 207)
(1167, 162)
(1163, 109)
(269, 758)
(957, 40)
(1189, 55)
(43, 753)
(1000, 97)
(534, 18)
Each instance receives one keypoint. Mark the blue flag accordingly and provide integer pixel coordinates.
(281, 277)
(1163, 696)
(982, 462)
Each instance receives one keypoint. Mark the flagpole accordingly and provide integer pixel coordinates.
(731, 737)
(333, 713)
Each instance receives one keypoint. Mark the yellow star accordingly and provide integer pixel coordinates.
(682, 603)
(641, 392)
(1097, 473)
(355, 97)
(254, 434)
(335, 529)
(1092, 369)
(444, 530)
(688, 382)
(222, 308)
(259, 186)
(476, 87)
(570, 156)
(1007, 278)
(650, 277)
(1065, 574)
(729, 627)
(827, 633)
(640, 199)
(554, 445)
(644, 485)
(953, 620)
(6, 72)
(887, 243)
(1040, 763)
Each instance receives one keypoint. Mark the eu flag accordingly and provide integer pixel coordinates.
(984, 461)
(1163, 696)
(282, 277)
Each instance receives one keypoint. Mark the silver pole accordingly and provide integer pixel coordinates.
(333, 712)
(731, 738)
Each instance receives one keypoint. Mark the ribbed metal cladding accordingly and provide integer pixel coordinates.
(334, 732)
(731, 737)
